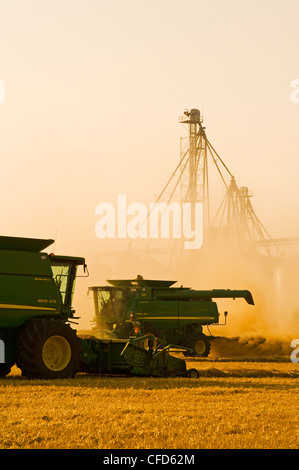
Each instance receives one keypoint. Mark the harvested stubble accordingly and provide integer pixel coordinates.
(218, 410)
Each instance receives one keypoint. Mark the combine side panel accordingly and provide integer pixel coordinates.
(201, 312)
(26, 287)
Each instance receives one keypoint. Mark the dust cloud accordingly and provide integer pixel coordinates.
(264, 329)
(273, 283)
(251, 347)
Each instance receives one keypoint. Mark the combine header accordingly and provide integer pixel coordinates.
(140, 356)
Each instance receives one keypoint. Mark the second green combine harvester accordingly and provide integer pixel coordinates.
(175, 314)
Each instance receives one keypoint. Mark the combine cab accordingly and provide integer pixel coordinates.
(177, 315)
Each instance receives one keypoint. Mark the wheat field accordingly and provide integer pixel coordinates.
(232, 405)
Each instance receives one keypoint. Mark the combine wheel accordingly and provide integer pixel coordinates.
(192, 374)
(199, 343)
(48, 349)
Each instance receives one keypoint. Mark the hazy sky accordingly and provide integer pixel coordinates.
(93, 91)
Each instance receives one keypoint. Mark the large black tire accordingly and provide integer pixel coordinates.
(192, 374)
(48, 349)
(199, 343)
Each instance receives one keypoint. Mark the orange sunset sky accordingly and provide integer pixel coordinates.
(93, 91)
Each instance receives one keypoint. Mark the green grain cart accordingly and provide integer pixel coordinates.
(175, 314)
(36, 291)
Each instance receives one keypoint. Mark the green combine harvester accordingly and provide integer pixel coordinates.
(36, 313)
(175, 314)
(36, 292)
